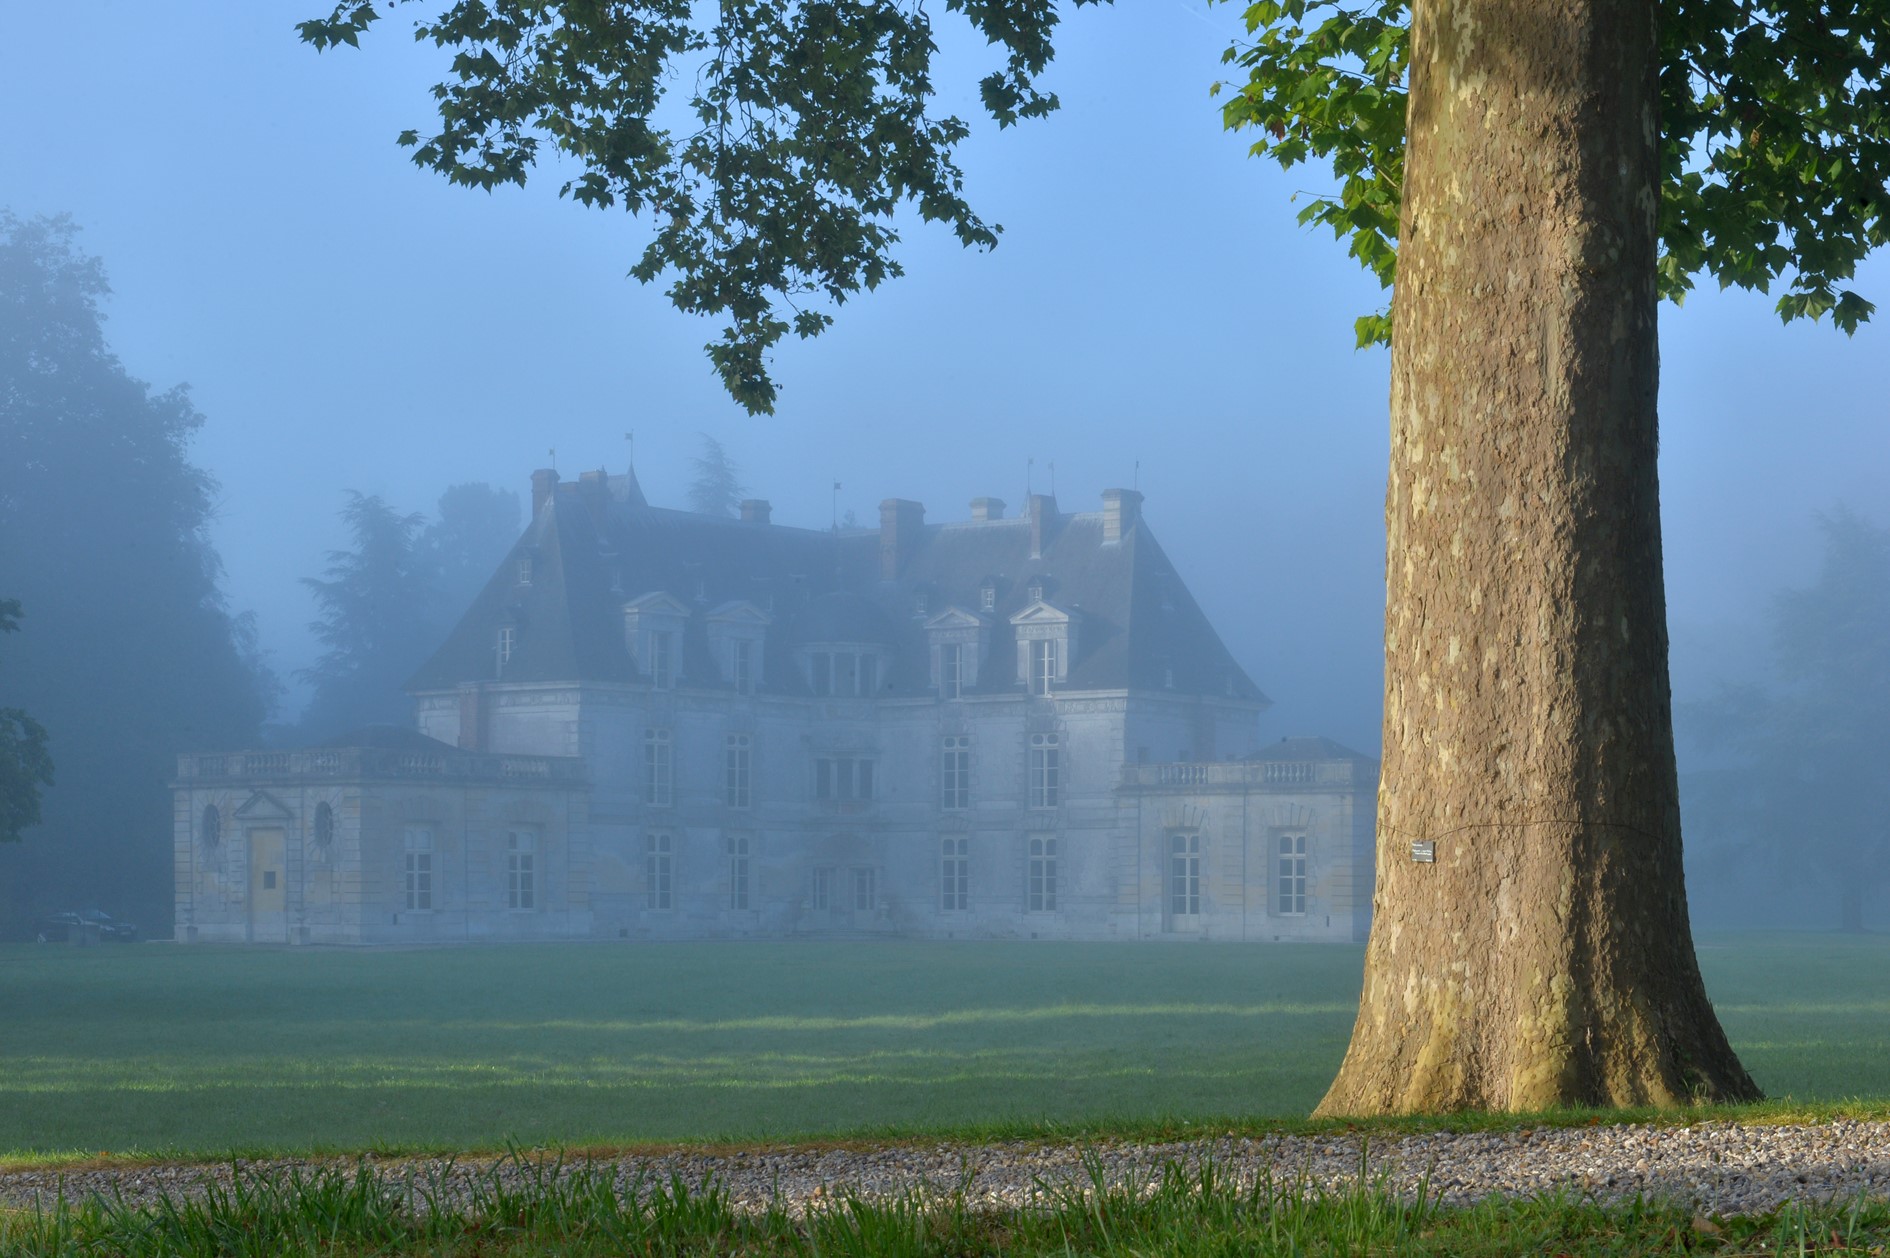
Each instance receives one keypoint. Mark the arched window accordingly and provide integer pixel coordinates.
(212, 830)
(324, 825)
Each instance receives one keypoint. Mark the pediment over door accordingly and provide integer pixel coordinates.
(262, 806)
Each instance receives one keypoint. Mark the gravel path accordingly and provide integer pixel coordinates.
(1724, 1168)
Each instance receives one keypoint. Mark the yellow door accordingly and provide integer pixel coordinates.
(268, 890)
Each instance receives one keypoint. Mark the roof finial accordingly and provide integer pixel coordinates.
(554, 458)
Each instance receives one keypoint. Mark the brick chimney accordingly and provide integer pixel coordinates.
(756, 511)
(544, 484)
(1122, 509)
(900, 522)
(1043, 518)
(594, 489)
(986, 509)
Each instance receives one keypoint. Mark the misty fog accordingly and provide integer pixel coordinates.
(353, 331)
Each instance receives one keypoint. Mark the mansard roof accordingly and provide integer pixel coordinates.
(594, 552)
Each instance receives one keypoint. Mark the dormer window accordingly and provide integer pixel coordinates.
(1045, 657)
(1035, 589)
(1046, 643)
(508, 638)
(742, 666)
(737, 631)
(662, 659)
(524, 569)
(987, 596)
(653, 632)
(958, 640)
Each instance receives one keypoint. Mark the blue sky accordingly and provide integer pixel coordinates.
(347, 321)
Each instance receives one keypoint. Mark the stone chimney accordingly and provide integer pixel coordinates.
(900, 522)
(987, 509)
(756, 511)
(544, 484)
(1043, 518)
(594, 489)
(1122, 509)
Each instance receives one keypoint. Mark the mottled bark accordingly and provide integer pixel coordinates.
(1545, 958)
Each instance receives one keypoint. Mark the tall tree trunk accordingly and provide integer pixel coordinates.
(1544, 958)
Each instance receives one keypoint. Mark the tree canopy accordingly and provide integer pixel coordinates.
(772, 191)
(717, 488)
(127, 653)
(387, 600)
(25, 763)
(1808, 801)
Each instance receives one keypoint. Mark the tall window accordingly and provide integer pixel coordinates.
(843, 778)
(742, 666)
(987, 597)
(865, 889)
(324, 824)
(955, 773)
(662, 659)
(418, 867)
(737, 770)
(1184, 875)
(658, 871)
(1290, 896)
(951, 670)
(1043, 665)
(1040, 891)
(738, 853)
(211, 828)
(820, 890)
(525, 569)
(508, 638)
(521, 869)
(659, 768)
(1046, 776)
(954, 865)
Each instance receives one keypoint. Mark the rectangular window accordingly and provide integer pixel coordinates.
(662, 660)
(525, 570)
(820, 890)
(954, 874)
(1040, 892)
(987, 598)
(865, 890)
(418, 842)
(521, 872)
(1290, 893)
(659, 871)
(737, 770)
(841, 778)
(738, 852)
(1043, 665)
(508, 638)
(1184, 875)
(1046, 776)
(659, 768)
(742, 666)
(955, 773)
(951, 671)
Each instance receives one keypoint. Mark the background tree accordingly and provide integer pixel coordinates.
(377, 603)
(1806, 798)
(1548, 170)
(387, 602)
(717, 489)
(129, 654)
(475, 525)
(25, 763)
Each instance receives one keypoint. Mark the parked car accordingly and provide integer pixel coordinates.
(61, 927)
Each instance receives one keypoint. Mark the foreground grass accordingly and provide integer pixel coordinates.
(583, 1212)
(158, 1050)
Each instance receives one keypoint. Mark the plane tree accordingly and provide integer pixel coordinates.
(1530, 178)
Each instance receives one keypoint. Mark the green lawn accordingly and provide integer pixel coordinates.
(160, 1048)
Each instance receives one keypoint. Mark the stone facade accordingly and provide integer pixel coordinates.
(698, 727)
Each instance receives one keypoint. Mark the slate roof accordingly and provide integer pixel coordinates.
(1308, 749)
(1137, 624)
